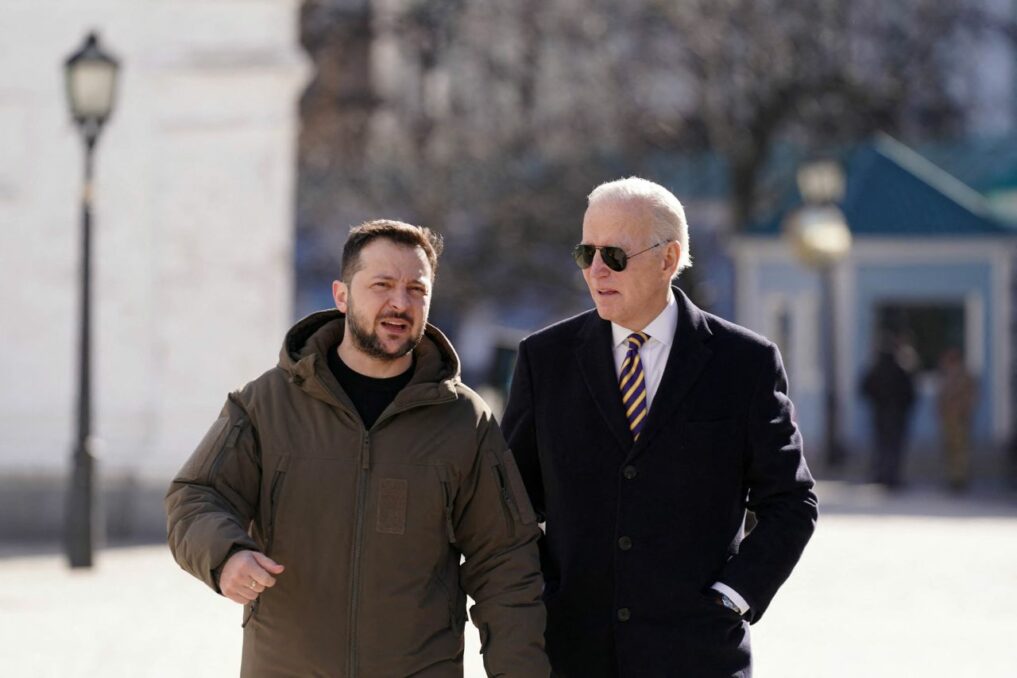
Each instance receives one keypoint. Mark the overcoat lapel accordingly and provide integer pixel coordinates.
(689, 355)
(596, 363)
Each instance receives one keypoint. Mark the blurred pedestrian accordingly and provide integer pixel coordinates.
(958, 391)
(889, 387)
(644, 429)
(335, 495)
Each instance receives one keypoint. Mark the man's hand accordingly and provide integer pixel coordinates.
(246, 574)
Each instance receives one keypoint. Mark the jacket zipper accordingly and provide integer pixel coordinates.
(449, 505)
(272, 508)
(365, 464)
(362, 481)
(358, 519)
(269, 534)
(446, 490)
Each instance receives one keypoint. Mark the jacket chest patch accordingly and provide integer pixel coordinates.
(392, 506)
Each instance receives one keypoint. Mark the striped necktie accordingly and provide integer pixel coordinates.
(633, 384)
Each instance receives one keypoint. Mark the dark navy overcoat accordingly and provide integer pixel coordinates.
(637, 532)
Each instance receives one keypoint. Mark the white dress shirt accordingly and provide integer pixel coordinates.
(653, 354)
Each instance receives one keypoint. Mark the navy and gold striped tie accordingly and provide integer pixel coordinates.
(633, 384)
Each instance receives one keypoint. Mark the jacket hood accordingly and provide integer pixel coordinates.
(436, 364)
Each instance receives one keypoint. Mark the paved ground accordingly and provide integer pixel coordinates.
(918, 584)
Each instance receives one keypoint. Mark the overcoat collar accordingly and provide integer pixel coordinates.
(689, 354)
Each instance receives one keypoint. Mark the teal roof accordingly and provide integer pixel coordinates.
(893, 191)
(986, 164)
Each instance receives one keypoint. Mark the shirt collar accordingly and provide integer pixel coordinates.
(661, 329)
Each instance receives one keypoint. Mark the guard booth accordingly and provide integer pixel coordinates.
(929, 260)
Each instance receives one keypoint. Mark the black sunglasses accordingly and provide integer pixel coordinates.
(614, 257)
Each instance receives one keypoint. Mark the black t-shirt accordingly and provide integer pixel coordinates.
(369, 395)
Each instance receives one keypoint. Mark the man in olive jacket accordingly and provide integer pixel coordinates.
(336, 493)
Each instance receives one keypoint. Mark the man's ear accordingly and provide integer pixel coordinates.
(340, 294)
(672, 255)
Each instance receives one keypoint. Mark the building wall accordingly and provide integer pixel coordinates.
(192, 258)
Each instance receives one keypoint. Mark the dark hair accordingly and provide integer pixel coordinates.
(396, 231)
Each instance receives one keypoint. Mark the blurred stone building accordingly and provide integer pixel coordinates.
(193, 240)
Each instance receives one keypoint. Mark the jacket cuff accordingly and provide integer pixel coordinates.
(217, 570)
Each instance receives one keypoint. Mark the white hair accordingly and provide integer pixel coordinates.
(666, 212)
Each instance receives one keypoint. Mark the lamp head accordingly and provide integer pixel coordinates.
(91, 77)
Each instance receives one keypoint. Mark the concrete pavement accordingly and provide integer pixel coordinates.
(917, 584)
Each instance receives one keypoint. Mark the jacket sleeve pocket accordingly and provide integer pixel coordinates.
(510, 484)
(198, 466)
(235, 469)
(205, 464)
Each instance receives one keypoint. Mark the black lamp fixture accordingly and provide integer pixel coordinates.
(821, 238)
(91, 77)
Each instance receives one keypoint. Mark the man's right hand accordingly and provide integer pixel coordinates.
(246, 574)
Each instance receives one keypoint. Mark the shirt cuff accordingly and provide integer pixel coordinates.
(743, 606)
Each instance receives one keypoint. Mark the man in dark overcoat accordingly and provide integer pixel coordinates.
(644, 431)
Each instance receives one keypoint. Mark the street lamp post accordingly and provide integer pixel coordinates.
(820, 238)
(90, 76)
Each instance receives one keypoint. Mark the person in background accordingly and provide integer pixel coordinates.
(956, 400)
(888, 386)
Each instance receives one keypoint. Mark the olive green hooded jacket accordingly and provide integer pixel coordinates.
(370, 524)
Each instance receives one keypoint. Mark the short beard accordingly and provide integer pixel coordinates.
(370, 343)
